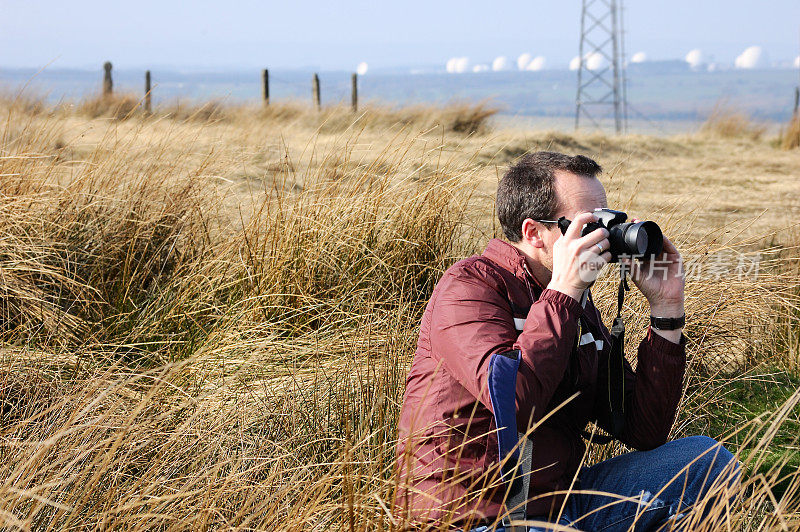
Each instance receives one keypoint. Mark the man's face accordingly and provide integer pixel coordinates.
(574, 194)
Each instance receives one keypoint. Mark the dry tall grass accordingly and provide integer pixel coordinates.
(180, 353)
(119, 106)
(728, 123)
(790, 138)
(461, 118)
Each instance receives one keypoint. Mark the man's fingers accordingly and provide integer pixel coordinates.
(669, 247)
(575, 228)
(598, 236)
(591, 264)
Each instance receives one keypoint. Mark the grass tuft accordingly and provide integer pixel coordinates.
(116, 106)
(790, 139)
(727, 123)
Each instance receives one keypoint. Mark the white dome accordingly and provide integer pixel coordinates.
(639, 57)
(752, 57)
(501, 63)
(457, 65)
(694, 58)
(592, 61)
(797, 62)
(595, 61)
(362, 68)
(523, 60)
(536, 64)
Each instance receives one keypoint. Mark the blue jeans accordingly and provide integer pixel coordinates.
(659, 486)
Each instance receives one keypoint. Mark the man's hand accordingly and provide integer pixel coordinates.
(661, 280)
(578, 260)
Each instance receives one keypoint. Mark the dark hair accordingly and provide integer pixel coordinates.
(527, 190)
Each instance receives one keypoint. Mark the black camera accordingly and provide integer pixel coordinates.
(638, 240)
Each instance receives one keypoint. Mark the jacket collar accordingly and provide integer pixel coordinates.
(507, 256)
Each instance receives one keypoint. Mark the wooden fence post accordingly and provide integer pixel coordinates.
(354, 81)
(148, 108)
(315, 90)
(265, 80)
(108, 85)
(796, 100)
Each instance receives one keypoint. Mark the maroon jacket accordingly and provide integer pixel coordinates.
(447, 453)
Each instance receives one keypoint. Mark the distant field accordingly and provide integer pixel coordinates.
(207, 314)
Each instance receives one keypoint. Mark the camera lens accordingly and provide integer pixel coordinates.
(643, 239)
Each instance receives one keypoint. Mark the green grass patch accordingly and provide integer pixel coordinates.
(761, 395)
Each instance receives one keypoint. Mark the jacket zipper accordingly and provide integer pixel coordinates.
(527, 280)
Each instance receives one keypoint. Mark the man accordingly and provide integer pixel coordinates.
(529, 296)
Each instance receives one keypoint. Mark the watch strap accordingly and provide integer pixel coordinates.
(667, 324)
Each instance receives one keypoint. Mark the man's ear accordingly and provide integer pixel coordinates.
(531, 233)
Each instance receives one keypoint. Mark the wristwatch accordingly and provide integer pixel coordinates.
(667, 324)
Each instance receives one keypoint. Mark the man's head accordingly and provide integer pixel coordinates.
(545, 186)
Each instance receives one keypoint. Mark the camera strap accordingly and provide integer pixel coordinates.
(616, 361)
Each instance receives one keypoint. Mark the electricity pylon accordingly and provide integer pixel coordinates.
(602, 85)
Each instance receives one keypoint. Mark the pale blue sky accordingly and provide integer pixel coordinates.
(337, 35)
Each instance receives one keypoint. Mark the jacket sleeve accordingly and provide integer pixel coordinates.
(472, 320)
(652, 392)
